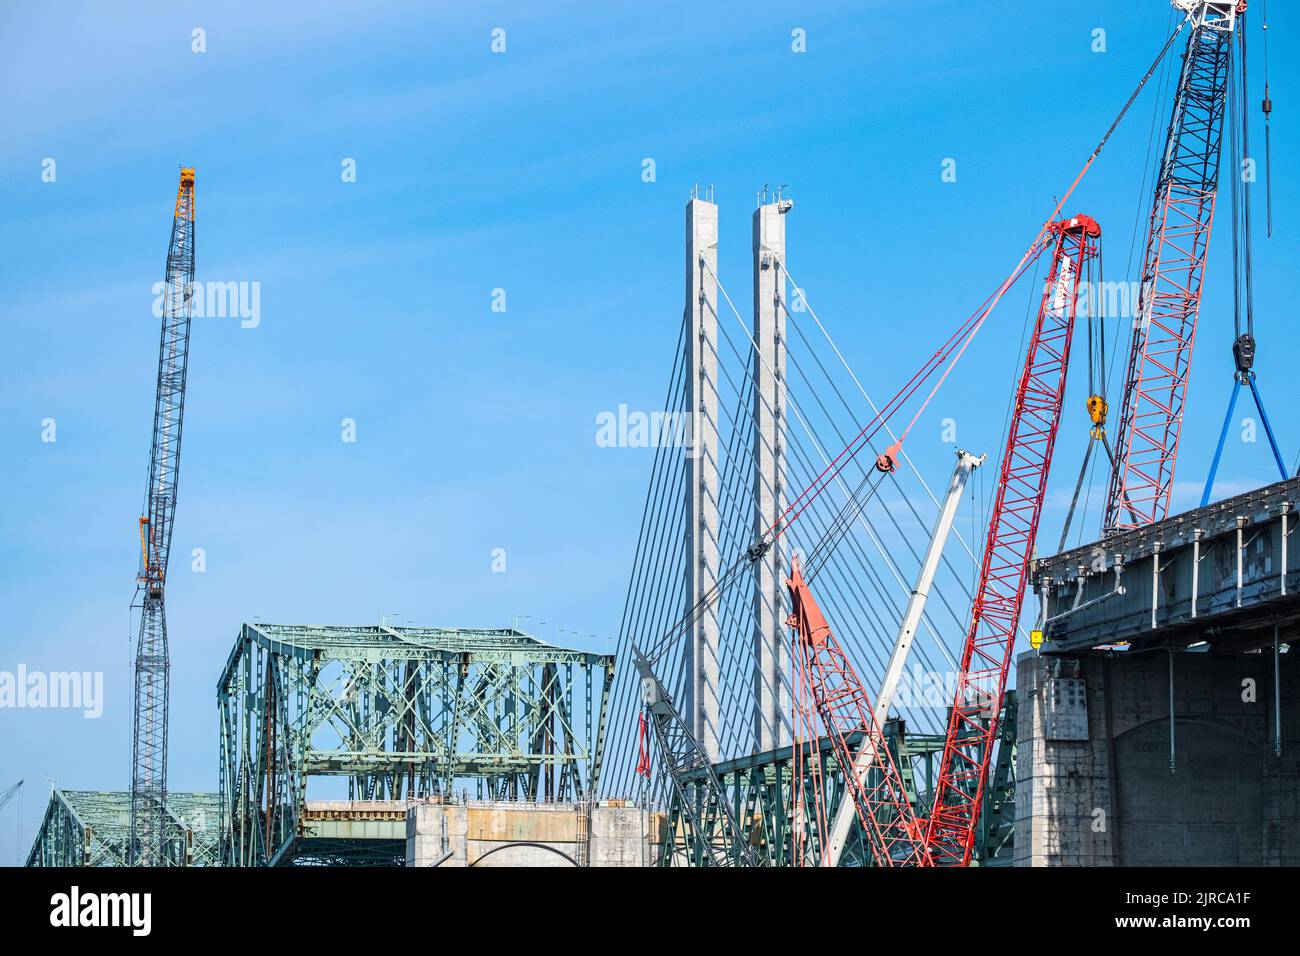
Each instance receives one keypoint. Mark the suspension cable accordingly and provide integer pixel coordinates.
(958, 343)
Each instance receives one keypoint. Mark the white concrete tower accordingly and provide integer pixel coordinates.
(701, 709)
(771, 653)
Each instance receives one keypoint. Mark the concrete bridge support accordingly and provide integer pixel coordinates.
(701, 403)
(611, 833)
(771, 657)
(1105, 778)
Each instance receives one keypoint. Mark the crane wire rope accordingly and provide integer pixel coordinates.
(959, 342)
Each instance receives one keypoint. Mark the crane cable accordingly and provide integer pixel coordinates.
(1031, 254)
(1243, 279)
(1267, 107)
(958, 342)
(1096, 404)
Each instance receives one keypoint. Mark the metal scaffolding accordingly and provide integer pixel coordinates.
(400, 713)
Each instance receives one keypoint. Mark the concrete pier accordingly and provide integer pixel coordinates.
(1105, 777)
(611, 833)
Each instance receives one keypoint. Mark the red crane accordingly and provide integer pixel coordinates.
(1013, 528)
(824, 676)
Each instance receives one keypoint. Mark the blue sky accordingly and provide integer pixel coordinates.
(519, 171)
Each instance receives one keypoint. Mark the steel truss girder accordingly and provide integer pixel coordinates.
(759, 792)
(401, 713)
(93, 828)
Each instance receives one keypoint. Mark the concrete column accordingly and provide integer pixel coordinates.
(619, 837)
(701, 451)
(437, 835)
(771, 696)
(1093, 782)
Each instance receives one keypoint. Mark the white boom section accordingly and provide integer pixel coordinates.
(866, 757)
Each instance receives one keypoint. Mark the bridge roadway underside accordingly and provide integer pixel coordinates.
(1160, 722)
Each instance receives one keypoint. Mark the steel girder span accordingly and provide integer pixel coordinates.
(93, 828)
(398, 713)
(761, 793)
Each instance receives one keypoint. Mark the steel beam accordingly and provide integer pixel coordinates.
(758, 790)
(1214, 573)
(93, 828)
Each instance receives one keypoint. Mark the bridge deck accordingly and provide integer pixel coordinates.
(1226, 574)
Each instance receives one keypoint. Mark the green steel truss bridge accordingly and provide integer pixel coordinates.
(759, 788)
(391, 714)
(93, 828)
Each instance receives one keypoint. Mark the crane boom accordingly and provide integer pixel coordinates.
(9, 794)
(1013, 528)
(873, 786)
(1178, 237)
(149, 737)
(866, 757)
(715, 837)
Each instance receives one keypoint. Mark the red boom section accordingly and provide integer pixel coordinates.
(876, 787)
(1013, 527)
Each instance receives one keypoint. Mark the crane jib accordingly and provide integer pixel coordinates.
(1178, 237)
(148, 845)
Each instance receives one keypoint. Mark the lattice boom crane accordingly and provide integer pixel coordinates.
(149, 737)
(835, 693)
(1013, 528)
(1178, 237)
(9, 794)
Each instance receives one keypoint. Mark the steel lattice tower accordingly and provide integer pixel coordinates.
(1178, 239)
(149, 737)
